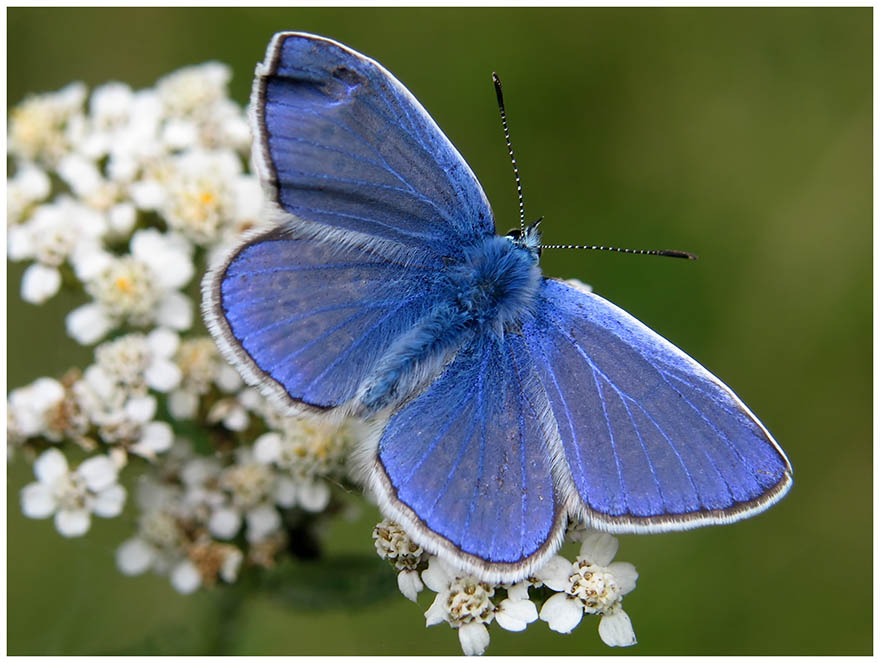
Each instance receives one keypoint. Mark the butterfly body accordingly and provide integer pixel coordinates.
(500, 403)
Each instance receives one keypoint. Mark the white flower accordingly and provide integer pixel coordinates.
(306, 453)
(516, 612)
(200, 193)
(463, 602)
(137, 361)
(193, 91)
(122, 415)
(30, 185)
(231, 413)
(29, 406)
(72, 496)
(393, 544)
(43, 127)
(54, 233)
(201, 366)
(140, 288)
(593, 584)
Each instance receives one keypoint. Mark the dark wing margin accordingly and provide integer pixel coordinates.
(652, 440)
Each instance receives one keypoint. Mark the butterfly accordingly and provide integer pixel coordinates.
(500, 403)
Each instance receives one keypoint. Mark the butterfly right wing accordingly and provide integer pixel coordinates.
(652, 440)
(306, 321)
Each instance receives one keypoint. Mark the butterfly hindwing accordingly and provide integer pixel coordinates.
(344, 147)
(467, 467)
(652, 440)
(307, 320)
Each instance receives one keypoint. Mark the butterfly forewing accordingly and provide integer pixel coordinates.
(344, 146)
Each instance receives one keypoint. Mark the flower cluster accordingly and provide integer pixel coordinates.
(592, 584)
(124, 195)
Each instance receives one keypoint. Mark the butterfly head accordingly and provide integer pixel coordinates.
(530, 239)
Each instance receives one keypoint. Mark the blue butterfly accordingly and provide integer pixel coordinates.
(500, 403)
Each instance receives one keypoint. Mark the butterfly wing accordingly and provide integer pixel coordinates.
(346, 148)
(307, 320)
(466, 466)
(651, 439)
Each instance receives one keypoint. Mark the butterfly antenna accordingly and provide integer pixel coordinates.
(642, 252)
(519, 193)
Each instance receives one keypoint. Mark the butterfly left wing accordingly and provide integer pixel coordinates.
(306, 321)
(466, 466)
(651, 439)
(343, 146)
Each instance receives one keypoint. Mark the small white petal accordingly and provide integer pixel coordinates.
(163, 375)
(72, 523)
(89, 260)
(236, 419)
(519, 591)
(409, 584)
(158, 436)
(515, 615)
(314, 495)
(267, 448)
(228, 380)
(562, 613)
(231, 564)
(45, 392)
(599, 547)
(286, 491)
(39, 283)
(19, 243)
(147, 194)
(99, 472)
(625, 574)
(555, 573)
(163, 342)
(175, 311)
(616, 629)
(140, 408)
(109, 502)
(438, 575)
(224, 523)
(262, 521)
(37, 501)
(122, 217)
(134, 556)
(183, 404)
(87, 324)
(474, 638)
(185, 577)
(436, 613)
(50, 465)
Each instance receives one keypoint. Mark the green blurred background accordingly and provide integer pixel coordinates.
(743, 135)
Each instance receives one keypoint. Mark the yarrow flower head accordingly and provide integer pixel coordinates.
(593, 584)
(140, 288)
(72, 496)
(393, 544)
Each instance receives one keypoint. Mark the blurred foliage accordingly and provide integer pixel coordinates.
(743, 135)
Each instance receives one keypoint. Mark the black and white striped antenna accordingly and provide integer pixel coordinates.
(522, 206)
